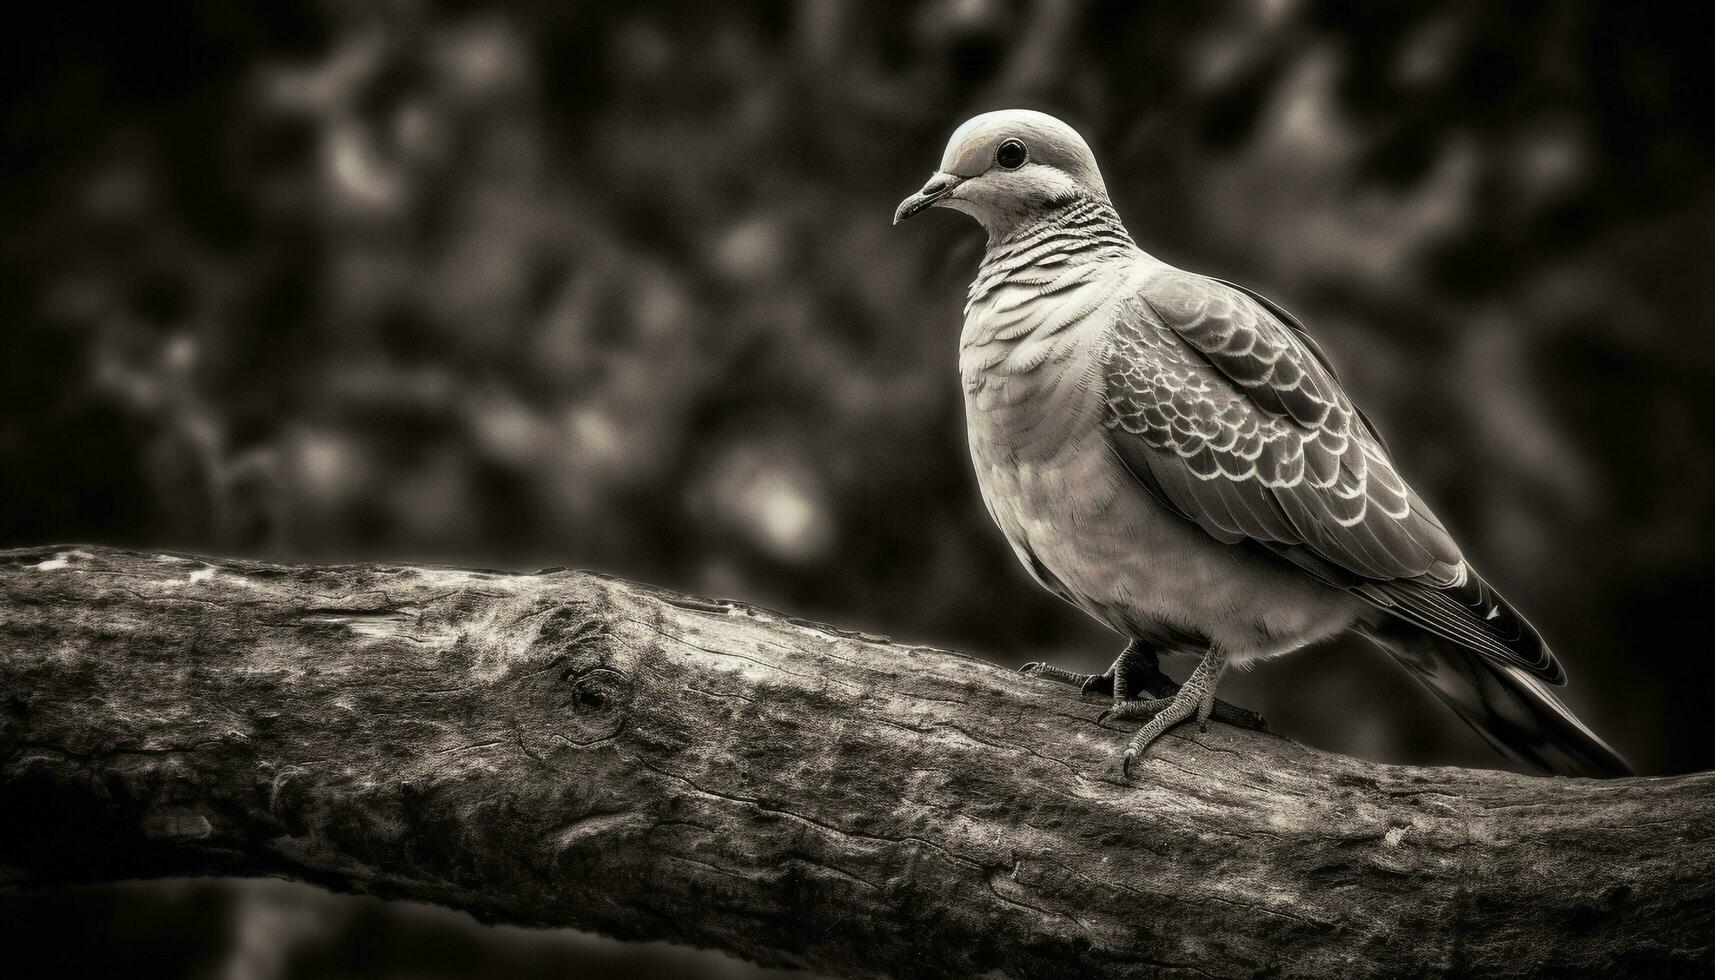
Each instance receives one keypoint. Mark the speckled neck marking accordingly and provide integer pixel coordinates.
(1044, 252)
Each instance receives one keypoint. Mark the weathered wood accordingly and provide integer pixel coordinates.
(570, 749)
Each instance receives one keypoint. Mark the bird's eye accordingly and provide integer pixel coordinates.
(1011, 154)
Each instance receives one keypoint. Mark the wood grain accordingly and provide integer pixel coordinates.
(568, 749)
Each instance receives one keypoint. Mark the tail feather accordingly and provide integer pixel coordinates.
(1513, 710)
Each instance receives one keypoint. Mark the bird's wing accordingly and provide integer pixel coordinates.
(1224, 410)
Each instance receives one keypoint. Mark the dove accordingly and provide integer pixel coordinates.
(1174, 455)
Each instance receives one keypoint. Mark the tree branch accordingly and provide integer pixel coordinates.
(568, 749)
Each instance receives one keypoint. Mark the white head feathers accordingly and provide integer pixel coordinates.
(1004, 167)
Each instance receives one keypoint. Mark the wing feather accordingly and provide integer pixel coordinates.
(1224, 408)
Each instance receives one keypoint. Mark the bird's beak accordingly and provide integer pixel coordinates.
(939, 186)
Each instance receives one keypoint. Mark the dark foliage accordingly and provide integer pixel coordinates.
(614, 286)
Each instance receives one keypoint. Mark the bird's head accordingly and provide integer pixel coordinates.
(1003, 168)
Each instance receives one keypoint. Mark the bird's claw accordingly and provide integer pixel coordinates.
(1050, 672)
(1101, 685)
(1194, 699)
(1135, 672)
(1232, 714)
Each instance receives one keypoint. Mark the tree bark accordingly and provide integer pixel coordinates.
(568, 749)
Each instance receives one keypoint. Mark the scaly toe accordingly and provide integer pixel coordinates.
(1133, 709)
(1050, 672)
(1238, 717)
(1101, 685)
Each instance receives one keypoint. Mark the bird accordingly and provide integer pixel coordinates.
(1174, 455)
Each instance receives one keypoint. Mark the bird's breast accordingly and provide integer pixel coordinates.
(1033, 407)
(1078, 520)
(1030, 367)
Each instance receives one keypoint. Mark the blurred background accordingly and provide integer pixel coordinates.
(613, 285)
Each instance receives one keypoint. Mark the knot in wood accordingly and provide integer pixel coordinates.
(599, 691)
(583, 697)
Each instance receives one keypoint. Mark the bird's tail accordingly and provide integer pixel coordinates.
(1513, 711)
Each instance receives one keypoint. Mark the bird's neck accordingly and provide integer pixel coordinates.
(1084, 230)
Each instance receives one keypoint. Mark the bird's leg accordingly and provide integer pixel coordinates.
(1137, 671)
(1151, 678)
(1195, 697)
(1135, 666)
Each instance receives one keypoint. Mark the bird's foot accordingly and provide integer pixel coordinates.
(1232, 714)
(1146, 675)
(1138, 671)
(1142, 709)
(1195, 697)
(1100, 685)
(1163, 713)
(1134, 709)
(1135, 666)
(1059, 674)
